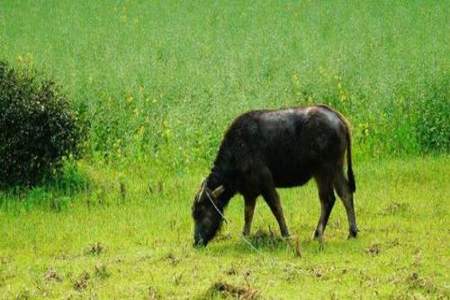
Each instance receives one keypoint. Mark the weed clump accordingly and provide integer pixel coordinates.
(264, 239)
(152, 294)
(52, 275)
(226, 290)
(101, 271)
(38, 127)
(95, 249)
(374, 249)
(81, 282)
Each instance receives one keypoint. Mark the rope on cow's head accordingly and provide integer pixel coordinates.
(205, 190)
(214, 205)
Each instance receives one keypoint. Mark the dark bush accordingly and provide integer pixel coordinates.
(38, 127)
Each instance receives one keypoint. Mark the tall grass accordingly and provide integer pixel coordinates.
(162, 79)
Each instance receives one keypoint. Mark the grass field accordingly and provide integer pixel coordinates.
(135, 243)
(159, 81)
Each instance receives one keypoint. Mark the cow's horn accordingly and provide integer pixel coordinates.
(200, 191)
(218, 191)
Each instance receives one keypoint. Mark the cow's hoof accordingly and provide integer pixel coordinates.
(287, 237)
(316, 235)
(352, 233)
(284, 233)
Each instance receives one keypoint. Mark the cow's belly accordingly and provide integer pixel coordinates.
(290, 174)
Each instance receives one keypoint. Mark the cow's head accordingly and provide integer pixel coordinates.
(207, 213)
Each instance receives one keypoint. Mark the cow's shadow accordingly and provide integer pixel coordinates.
(264, 240)
(268, 242)
(260, 241)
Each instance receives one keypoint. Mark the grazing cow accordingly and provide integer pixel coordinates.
(266, 149)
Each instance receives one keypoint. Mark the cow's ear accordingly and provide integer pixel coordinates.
(218, 191)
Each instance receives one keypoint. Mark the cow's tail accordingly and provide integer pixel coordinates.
(348, 133)
(350, 175)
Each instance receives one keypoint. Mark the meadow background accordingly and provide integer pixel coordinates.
(159, 81)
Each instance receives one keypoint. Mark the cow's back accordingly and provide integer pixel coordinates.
(294, 143)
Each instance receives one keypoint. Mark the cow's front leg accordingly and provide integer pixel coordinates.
(273, 200)
(250, 203)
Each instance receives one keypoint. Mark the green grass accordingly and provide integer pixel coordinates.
(159, 82)
(162, 79)
(146, 238)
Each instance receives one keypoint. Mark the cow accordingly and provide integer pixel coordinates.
(267, 149)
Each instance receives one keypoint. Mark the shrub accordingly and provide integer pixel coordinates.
(38, 128)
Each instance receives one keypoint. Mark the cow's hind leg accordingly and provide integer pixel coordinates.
(327, 199)
(273, 201)
(250, 203)
(343, 190)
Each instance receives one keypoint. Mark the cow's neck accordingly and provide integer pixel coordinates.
(217, 177)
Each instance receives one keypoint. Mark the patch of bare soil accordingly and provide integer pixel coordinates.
(374, 249)
(415, 281)
(231, 271)
(81, 282)
(223, 237)
(172, 259)
(52, 275)
(226, 290)
(318, 272)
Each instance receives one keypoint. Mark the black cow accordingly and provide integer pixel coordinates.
(266, 149)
